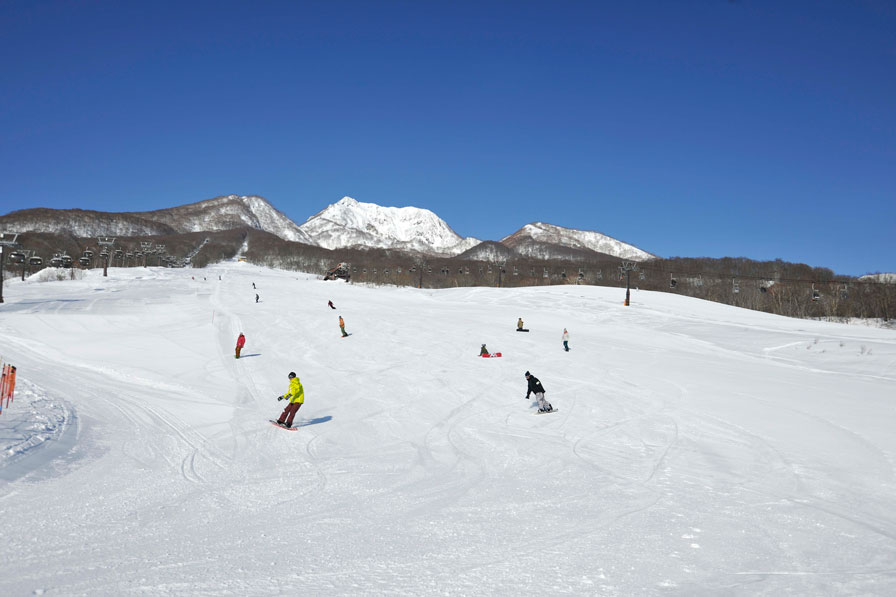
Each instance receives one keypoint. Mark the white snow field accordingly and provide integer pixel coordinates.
(699, 449)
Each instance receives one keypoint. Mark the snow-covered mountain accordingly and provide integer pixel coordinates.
(885, 278)
(351, 224)
(231, 211)
(220, 213)
(546, 241)
(83, 223)
(345, 224)
(489, 251)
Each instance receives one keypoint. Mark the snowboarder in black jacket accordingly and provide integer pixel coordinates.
(535, 387)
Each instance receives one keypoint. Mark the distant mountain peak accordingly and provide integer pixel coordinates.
(219, 213)
(348, 223)
(351, 223)
(535, 240)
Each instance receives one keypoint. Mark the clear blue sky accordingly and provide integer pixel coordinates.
(761, 129)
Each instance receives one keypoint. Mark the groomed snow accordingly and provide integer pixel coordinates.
(699, 449)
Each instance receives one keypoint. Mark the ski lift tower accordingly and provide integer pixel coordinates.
(627, 268)
(107, 242)
(502, 269)
(7, 239)
(160, 249)
(26, 261)
(145, 247)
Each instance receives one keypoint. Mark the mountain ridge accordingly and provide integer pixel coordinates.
(346, 224)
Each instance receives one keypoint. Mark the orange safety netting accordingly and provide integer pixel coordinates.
(7, 385)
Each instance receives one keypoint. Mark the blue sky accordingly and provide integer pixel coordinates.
(758, 129)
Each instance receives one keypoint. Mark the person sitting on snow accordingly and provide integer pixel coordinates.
(483, 352)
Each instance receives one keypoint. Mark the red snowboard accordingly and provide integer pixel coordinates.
(490, 356)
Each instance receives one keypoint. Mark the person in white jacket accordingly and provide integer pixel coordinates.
(565, 340)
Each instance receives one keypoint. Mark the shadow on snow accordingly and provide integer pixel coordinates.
(314, 421)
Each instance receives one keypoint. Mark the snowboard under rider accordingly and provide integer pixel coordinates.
(535, 387)
(565, 340)
(296, 396)
(240, 342)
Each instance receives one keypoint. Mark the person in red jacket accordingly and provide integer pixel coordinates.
(240, 342)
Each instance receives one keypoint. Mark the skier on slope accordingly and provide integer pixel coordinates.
(330, 304)
(565, 340)
(296, 396)
(342, 326)
(535, 386)
(240, 342)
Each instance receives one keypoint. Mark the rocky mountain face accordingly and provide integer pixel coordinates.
(351, 224)
(346, 224)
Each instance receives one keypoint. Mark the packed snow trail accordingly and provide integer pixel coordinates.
(698, 448)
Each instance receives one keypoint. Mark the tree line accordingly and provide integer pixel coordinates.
(779, 287)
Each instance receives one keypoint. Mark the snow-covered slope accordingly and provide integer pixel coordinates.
(350, 223)
(698, 449)
(542, 240)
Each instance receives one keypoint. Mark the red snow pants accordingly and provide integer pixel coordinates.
(289, 413)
